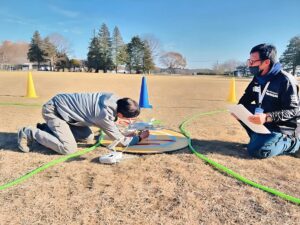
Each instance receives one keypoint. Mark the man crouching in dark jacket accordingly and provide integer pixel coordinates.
(272, 96)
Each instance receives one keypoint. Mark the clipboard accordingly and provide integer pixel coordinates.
(242, 114)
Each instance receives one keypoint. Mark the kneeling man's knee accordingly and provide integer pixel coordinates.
(259, 153)
(69, 149)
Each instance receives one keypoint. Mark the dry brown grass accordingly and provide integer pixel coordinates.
(175, 188)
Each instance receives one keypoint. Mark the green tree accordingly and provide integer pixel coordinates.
(290, 59)
(148, 63)
(105, 45)
(139, 56)
(62, 61)
(75, 63)
(35, 52)
(119, 54)
(122, 56)
(135, 51)
(93, 58)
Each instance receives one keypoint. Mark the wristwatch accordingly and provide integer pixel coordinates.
(268, 118)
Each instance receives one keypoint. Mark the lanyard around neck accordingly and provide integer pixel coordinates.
(261, 95)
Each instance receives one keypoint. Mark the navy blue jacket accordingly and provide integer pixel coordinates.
(281, 101)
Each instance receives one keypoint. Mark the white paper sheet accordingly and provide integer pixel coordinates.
(242, 113)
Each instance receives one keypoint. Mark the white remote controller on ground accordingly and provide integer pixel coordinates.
(111, 158)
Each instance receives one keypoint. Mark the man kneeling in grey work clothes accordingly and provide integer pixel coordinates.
(69, 116)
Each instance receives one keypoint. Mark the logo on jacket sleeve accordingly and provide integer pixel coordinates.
(272, 94)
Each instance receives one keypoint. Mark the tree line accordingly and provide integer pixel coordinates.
(109, 53)
(290, 60)
(53, 50)
(106, 53)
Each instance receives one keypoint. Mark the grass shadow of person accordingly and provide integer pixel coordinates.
(9, 142)
(206, 147)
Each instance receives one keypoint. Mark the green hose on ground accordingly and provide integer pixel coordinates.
(52, 163)
(225, 169)
(183, 130)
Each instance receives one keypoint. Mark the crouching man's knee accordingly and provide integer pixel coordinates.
(259, 153)
(69, 149)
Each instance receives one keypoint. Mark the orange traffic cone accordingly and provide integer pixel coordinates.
(30, 87)
(232, 96)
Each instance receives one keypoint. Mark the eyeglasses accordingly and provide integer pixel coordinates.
(251, 62)
(126, 121)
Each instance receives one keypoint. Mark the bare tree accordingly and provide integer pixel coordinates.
(62, 45)
(4, 52)
(13, 53)
(154, 45)
(50, 52)
(173, 60)
(228, 66)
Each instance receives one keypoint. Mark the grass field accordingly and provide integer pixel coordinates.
(174, 188)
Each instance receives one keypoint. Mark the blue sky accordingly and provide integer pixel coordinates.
(204, 31)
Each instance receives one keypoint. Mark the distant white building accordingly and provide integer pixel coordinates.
(27, 66)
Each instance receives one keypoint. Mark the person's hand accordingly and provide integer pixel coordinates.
(258, 118)
(130, 134)
(144, 134)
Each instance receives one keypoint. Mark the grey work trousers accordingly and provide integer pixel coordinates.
(65, 136)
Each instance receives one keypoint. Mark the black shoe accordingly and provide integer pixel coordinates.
(297, 154)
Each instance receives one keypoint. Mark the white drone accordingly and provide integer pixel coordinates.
(140, 126)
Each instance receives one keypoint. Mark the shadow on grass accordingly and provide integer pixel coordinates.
(9, 142)
(206, 147)
(12, 95)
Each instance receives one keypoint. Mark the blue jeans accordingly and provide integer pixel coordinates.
(268, 145)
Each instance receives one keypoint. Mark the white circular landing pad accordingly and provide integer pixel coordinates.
(159, 141)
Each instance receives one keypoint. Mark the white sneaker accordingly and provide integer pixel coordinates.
(25, 139)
